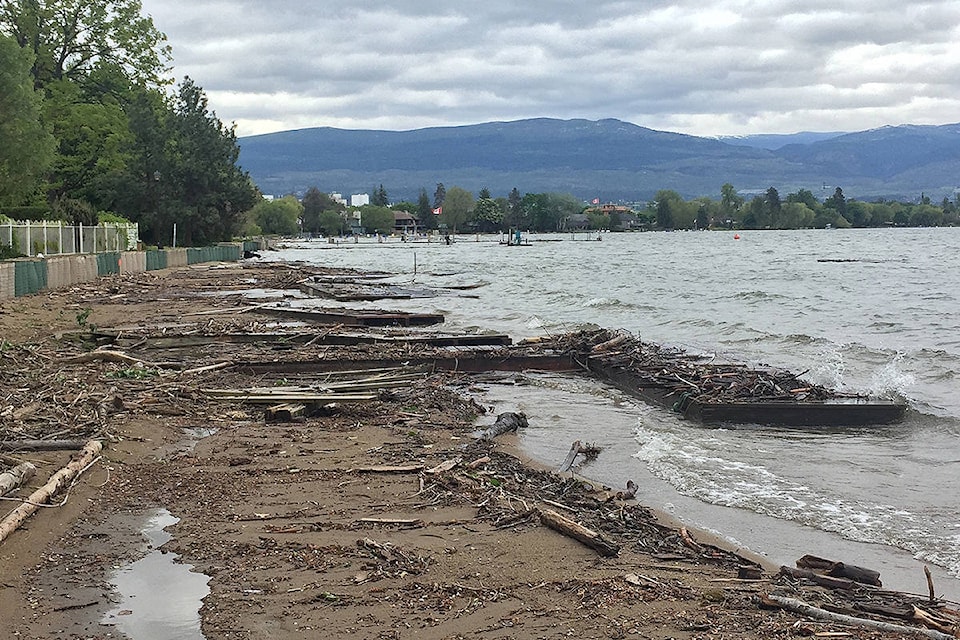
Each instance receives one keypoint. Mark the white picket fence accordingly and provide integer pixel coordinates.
(54, 238)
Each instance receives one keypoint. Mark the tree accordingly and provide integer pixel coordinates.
(425, 216)
(514, 216)
(837, 202)
(315, 203)
(380, 197)
(278, 217)
(487, 215)
(332, 223)
(26, 149)
(457, 207)
(772, 206)
(95, 142)
(439, 196)
(71, 38)
(377, 219)
(730, 202)
(667, 206)
(206, 192)
(804, 196)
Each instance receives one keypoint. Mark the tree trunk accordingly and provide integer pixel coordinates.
(505, 423)
(42, 495)
(10, 480)
(579, 533)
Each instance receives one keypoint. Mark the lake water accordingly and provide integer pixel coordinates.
(861, 310)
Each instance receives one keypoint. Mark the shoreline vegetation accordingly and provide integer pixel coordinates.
(361, 502)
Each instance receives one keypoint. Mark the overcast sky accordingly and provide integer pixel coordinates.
(704, 67)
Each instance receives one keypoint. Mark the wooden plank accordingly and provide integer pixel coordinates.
(356, 318)
(285, 412)
(472, 362)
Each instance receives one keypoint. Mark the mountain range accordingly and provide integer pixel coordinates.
(607, 159)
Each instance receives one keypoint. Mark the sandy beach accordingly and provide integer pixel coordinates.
(381, 517)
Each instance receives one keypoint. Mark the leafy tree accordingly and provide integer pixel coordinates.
(756, 217)
(377, 219)
(837, 202)
(95, 144)
(76, 212)
(796, 215)
(315, 203)
(71, 38)
(439, 196)
(926, 215)
(26, 149)
(804, 196)
(858, 213)
(487, 214)
(332, 223)
(278, 217)
(380, 197)
(667, 205)
(730, 201)
(457, 207)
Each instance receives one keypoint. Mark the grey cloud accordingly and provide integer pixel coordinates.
(695, 65)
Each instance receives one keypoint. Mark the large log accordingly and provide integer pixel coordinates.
(56, 482)
(804, 609)
(20, 474)
(41, 445)
(506, 422)
(841, 570)
(579, 533)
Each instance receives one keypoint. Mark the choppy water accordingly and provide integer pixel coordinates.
(864, 310)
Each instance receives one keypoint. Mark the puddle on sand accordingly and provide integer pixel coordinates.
(160, 598)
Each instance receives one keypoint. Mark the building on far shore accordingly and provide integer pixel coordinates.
(359, 199)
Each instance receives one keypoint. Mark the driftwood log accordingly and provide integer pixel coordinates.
(579, 533)
(840, 570)
(506, 422)
(818, 578)
(567, 463)
(804, 609)
(41, 445)
(56, 482)
(13, 478)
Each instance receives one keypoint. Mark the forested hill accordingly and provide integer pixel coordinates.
(609, 159)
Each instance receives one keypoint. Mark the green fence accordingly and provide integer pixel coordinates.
(156, 260)
(220, 253)
(108, 263)
(30, 276)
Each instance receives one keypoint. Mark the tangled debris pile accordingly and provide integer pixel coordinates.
(376, 516)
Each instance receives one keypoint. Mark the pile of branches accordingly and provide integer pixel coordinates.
(699, 377)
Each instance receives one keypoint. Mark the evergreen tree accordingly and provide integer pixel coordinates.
(439, 196)
(380, 197)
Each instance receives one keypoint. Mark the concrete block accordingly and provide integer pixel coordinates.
(7, 280)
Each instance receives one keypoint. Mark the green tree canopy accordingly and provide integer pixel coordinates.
(71, 38)
(315, 203)
(376, 219)
(26, 149)
(457, 208)
(278, 217)
(332, 223)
